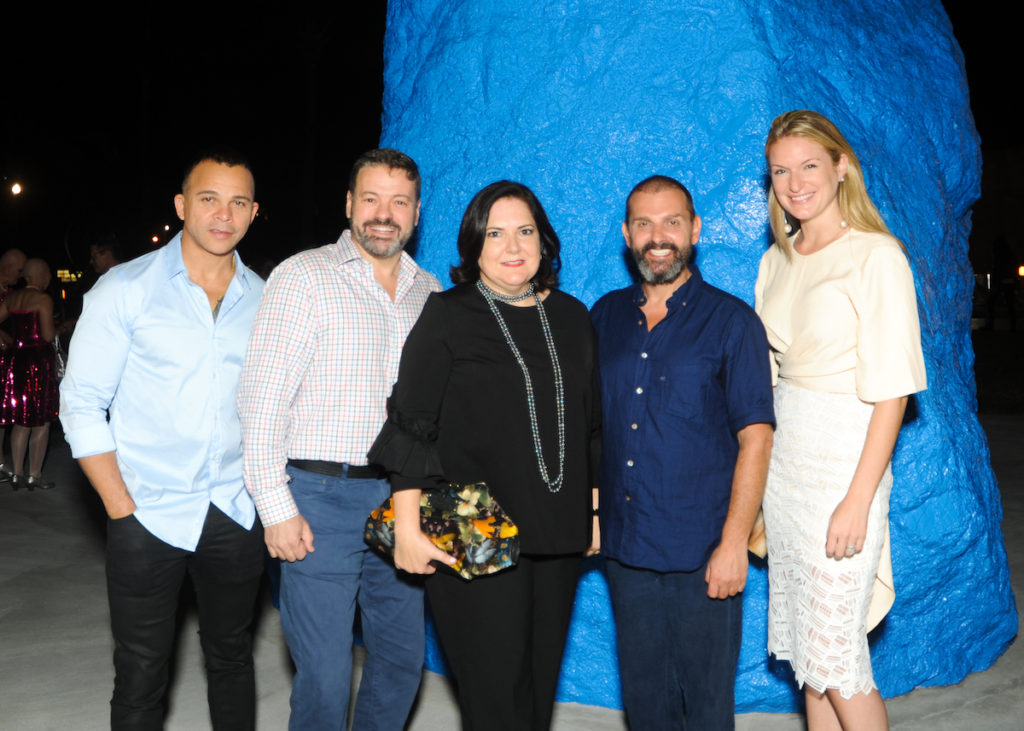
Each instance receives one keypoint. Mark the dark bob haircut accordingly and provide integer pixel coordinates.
(474, 228)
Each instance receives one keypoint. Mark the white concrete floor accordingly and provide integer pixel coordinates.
(55, 668)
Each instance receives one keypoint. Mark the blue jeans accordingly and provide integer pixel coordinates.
(318, 601)
(678, 649)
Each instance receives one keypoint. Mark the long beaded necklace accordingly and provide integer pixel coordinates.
(491, 296)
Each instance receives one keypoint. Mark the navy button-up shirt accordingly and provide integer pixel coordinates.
(673, 400)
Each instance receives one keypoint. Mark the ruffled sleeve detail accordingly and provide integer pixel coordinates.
(406, 449)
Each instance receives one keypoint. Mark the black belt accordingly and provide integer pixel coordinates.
(338, 469)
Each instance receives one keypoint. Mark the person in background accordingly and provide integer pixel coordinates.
(11, 263)
(29, 375)
(104, 254)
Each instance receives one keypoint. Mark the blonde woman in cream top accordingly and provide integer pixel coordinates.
(844, 318)
(836, 296)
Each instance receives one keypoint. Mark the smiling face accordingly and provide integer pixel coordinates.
(216, 206)
(510, 255)
(661, 232)
(382, 210)
(806, 179)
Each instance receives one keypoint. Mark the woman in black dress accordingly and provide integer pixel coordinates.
(498, 384)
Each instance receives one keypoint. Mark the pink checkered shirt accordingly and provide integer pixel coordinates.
(322, 358)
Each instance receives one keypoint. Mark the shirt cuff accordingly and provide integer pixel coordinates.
(89, 440)
(275, 504)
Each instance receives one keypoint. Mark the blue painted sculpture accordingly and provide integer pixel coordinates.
(582, 100)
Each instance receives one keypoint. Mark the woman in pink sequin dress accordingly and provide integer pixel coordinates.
(29, 375)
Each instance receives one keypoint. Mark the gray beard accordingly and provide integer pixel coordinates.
(680, 260)
(369, 243)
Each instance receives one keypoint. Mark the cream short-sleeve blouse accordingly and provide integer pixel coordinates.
(843, 319)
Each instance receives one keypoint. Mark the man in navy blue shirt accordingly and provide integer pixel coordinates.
(688, 420)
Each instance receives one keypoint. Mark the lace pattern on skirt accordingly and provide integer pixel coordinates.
(817, 605)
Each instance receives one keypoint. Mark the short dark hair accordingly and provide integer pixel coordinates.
(391, 159)
(474, 228)
(220, 155)
(108, 243)
(657, 183)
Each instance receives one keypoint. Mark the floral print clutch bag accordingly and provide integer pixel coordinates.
(462, 520)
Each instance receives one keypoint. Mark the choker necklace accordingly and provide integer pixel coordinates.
(506, 298)
(491, 296)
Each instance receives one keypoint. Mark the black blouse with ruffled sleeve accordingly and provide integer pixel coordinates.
(459, 412)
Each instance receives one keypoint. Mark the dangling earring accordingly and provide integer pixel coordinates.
(842, 223)
(787, 228)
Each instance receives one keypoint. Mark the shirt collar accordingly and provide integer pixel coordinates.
(346, 248)
(173, 258)
(175, 263)
(681, 296)
(347, 253)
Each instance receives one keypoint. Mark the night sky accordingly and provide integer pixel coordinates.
(99, 142)
(101, 115)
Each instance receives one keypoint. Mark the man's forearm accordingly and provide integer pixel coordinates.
(748, 482)
(105, 476)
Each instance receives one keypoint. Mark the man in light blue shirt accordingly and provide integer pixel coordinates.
(160, 345)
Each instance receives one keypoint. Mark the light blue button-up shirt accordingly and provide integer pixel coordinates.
(147, 348)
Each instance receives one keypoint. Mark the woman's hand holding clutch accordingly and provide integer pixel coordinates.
(413, 550)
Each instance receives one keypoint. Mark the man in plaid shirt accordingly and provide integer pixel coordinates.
(322, 359)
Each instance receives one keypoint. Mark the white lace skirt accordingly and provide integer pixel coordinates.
(818, 606)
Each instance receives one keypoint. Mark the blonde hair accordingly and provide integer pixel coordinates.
(854, 203)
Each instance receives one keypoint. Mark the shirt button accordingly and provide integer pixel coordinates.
(639, 389)
(633, 427)
(629, 463)
(643, 355)
(628, 498)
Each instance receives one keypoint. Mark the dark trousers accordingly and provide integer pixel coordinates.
(504, 636)
(144, 579)
(678, 649)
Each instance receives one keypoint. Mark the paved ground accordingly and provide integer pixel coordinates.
(55, 668)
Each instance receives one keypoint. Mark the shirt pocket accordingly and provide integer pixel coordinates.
(681, 389)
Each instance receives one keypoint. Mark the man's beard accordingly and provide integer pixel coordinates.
(676, 264)
(377, 247)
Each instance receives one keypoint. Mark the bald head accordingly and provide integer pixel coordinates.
(11, 264)
(37, 273)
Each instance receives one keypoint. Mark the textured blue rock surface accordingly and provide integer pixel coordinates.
(582, 99)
